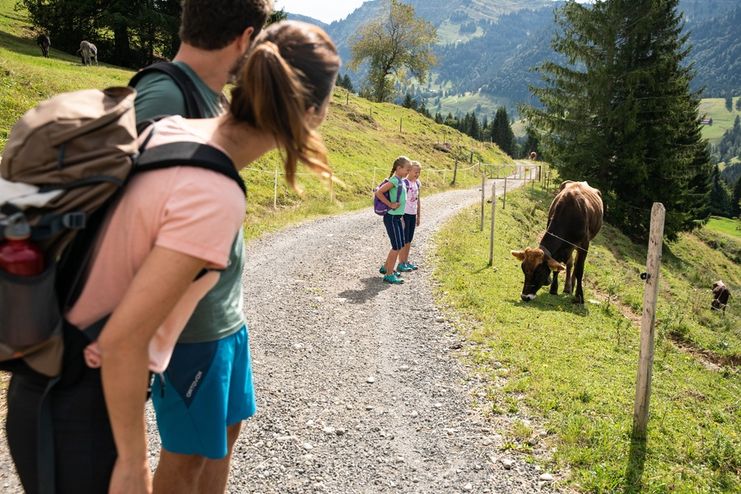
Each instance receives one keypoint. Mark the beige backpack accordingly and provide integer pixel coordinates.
(64, 163)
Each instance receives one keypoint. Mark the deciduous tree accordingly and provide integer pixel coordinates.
(396, 42)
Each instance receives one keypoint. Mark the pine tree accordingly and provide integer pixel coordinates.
(729, 103)
(620, 112)
(736, 200)
(720, 196)
(501, 132)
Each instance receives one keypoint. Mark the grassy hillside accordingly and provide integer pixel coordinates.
(722, 118)
(363, 138)
(573, 368)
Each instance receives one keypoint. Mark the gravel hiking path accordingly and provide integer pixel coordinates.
(359, 383)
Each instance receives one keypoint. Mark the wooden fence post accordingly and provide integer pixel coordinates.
(471, 160)
(483, 199)
(455, 172)
(275, 189)
(504, 196)
(493, 212)
(532, 178)
(401, 120)
(650, 292)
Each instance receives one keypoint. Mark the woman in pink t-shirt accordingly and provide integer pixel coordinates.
(169, 225)
(412, 216)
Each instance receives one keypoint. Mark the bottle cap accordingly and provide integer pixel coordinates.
(17, 227)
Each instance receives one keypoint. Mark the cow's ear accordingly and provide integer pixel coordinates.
(555, 266)
(519, 254)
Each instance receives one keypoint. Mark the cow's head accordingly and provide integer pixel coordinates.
(537, 268)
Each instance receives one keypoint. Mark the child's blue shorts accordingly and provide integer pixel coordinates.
(208, 387)
(395, 230)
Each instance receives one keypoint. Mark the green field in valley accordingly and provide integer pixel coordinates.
(722, 118)
(727, 226)
(362, 137)
(574, 367)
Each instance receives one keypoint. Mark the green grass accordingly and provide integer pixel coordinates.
(722, 118)
(363, 138)
(573, 368)
(727, 226)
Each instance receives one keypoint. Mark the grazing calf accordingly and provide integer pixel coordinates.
(88, 53)
(44, 43)
(721, 294)
(574, 218)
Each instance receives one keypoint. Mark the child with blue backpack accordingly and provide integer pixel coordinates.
(392, 193)
(411, 215)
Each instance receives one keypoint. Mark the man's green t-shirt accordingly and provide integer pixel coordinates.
(398, 193)
(219, 313)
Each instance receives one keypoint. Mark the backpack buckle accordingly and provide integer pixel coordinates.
(75, 221)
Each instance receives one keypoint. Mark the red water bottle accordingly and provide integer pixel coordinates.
(18, 255)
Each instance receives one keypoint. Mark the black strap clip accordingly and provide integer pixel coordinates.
(75, 221)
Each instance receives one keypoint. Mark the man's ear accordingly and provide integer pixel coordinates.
(555, 266)
(245, 39)
(519, 254)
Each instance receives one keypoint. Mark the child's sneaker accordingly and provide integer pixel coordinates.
(413, 266)
(404, 267)
(393, 279)
(382, 270)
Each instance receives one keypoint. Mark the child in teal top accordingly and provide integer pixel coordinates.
(392, 220)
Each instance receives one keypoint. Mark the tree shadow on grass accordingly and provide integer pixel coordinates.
(372, 286)
(636, 465)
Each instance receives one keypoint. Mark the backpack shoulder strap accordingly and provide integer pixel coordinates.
(195, 107)
(188, 154)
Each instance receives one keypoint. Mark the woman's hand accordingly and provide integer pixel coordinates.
(395, 205)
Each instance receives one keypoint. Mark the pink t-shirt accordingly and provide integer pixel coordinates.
(412, 196)
(190, 210)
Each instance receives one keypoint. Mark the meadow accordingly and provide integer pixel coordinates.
(722, 118)
(573, 367)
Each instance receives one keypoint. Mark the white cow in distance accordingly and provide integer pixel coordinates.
(88, 53)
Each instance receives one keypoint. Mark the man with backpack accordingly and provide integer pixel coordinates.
(198, 422)
(215, 37)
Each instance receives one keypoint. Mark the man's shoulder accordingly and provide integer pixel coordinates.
(157, 94)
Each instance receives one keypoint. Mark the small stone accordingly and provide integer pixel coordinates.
(404, 368)
(507, 463)
(308, 457)
(348, 406)
(309, 423)
(468, 487)
(328, 430)
(308, 446)
(283, 439)
(415, 414)
(439, 319)
(368, 408)
(399, 460)
(437, 405)
(546, 477)
(370, 380)
(340, 432)
(298, 346)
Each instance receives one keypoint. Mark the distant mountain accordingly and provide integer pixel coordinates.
(310, 20)
(490, 46)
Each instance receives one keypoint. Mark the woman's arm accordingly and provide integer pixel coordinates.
(124, 343)
(380, 195)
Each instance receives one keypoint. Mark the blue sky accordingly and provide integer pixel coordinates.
(324, 10)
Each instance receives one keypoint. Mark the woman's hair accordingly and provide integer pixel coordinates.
(290, 69)
(399, 162)
(416, 164)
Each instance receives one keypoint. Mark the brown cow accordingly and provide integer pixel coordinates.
(721, 294)
(574, 218)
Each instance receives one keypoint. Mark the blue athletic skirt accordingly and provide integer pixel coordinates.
(395, 230)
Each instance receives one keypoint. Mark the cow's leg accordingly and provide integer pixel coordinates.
(568, 284)
(579, 274)
(554, 284)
